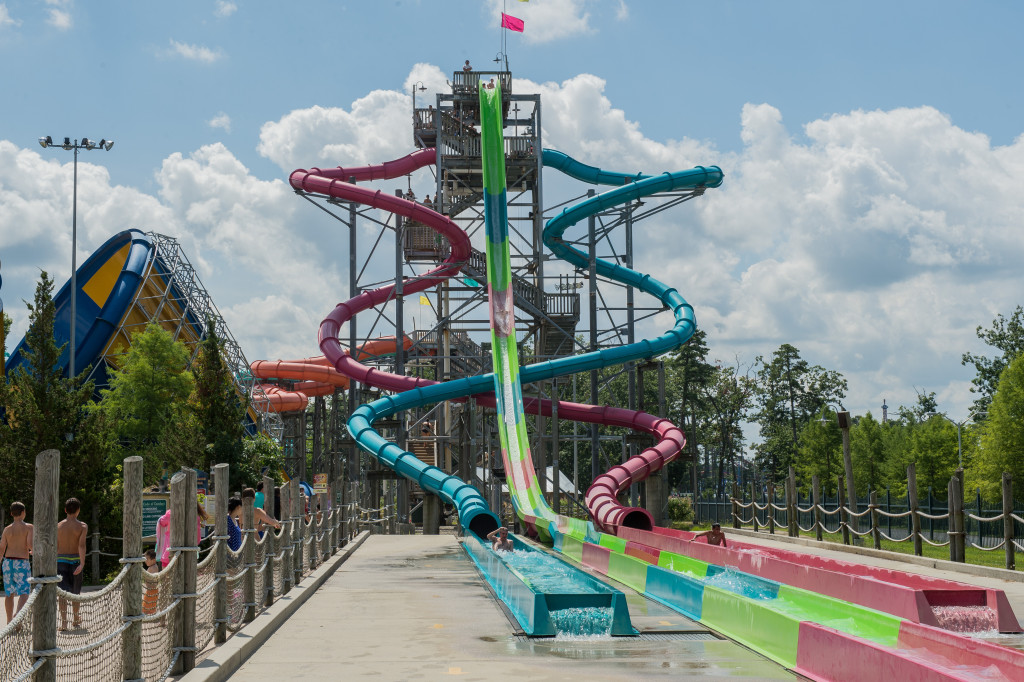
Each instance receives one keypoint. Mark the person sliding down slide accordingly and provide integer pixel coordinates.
(500, 541)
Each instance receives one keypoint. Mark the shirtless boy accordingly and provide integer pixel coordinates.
(715, 536)
(500, 541)
(71, 534)
(15, 547)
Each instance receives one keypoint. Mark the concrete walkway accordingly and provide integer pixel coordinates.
(415, 607)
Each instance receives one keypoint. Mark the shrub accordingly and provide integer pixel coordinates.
(680, 509)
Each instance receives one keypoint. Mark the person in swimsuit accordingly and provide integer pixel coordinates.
(500, 541)
(151, 593)
(71, 534)
(715, 536)
(15, 547)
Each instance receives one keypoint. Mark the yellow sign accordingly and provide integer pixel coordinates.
(319, 484)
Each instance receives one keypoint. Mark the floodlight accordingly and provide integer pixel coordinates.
(45, 142)
(88, 144)
(67, 143)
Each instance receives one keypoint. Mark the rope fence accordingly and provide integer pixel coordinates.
(148, 626)
(940, 523)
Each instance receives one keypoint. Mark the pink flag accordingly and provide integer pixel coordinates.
(510, 22)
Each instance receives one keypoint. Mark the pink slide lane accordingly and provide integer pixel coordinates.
(902, 594)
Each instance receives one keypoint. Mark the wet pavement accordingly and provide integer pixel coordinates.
(415, 607)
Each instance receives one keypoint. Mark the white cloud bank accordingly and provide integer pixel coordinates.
(195, 53)
(5, 17)
(875, 243)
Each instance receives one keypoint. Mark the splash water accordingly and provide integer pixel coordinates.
(966, 618)
(582, 623)
(548, 574)
(742, 584)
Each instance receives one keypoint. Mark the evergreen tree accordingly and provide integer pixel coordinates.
(790, 392)
(219, 410)
(820, 452)
(46, 410)
(868, 452)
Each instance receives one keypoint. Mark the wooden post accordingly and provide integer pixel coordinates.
(915, 519)
(961, 542)
(131, 552)
(321, 523)
(794, 502)
(286, 538)
(753, 508)
(298, 531)
(249, 557)
(875, 531)
(267, 597)
(1011, 560)
(96, 544)
(220, 561)
(735, 505)
(179, 514)
(44, 560)
(843, 517)
(953, 497)
(843, 417)
(816, 501)
(188, 583)
(771, 508)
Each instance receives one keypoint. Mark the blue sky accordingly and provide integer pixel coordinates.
(872, 152)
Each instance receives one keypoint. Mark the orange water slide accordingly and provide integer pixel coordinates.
(315, 376)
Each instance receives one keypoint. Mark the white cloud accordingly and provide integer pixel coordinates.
(549, 20)
(224, 8)
(222, 121)
(198, 53)
(59, 19)
(622, 12)
(875, 242)
(5, 17)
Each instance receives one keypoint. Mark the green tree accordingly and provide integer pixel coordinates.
(933, 450)
(820, 452)
(148, 395)
(868, 452)
(1006, 336)
(790, 392)
(219, 409)
(261, 453)
(688, 377)
(46, 410)
(726, 398)
(1001, 447)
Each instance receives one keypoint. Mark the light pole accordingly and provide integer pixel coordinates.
(959, 426)
(86, 143)
(422, 88)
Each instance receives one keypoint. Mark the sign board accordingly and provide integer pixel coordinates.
(202, 482)
(319, 484)
(154, 505)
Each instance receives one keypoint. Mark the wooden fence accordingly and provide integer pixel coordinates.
(148, 626)
(942, 523)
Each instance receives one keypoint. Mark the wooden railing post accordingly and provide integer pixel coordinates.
(44, 561)
(771, 508)
(96, 544)
(298, 531)
(268, 575)
(179, 519)
(816, 501)
(286, 538)
(1008, 539)
(955, 512)
(735, 505)
(131, 555)
(956, 518)
(220, 561)
(844, 519)
(188, 586)
(753, 504)
(915, 518)
(875, 531)
(249, 557)
(791, 514)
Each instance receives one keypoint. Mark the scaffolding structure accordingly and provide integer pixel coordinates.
(172, 296)
(451, 339)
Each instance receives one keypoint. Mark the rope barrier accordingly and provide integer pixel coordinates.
(986, 520)
(990, 549)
